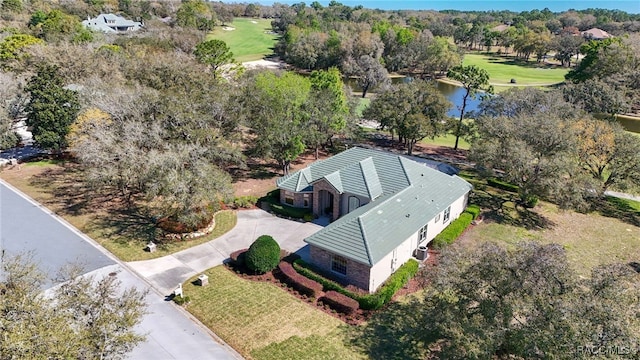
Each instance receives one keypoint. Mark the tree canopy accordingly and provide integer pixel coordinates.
(84, 318)
(525, 301)
(214, 53)
(414, 111)
(52, 108)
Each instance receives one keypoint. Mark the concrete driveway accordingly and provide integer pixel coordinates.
(171, 332)
(167, 272)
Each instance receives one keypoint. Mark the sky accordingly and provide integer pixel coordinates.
(630, 6)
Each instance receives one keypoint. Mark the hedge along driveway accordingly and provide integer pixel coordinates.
(167, 272)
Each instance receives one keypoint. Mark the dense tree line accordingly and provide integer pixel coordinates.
(524, 302)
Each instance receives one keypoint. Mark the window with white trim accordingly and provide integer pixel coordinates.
(447, 213)
(423, 234)
(339, 264)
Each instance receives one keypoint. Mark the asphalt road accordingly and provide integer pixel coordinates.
(171, 332)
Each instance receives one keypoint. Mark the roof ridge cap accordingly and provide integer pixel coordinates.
(364, 239)
(404, 169)
(366, 182)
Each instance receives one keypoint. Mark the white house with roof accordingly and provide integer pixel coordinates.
(110, 23)
(383, 207)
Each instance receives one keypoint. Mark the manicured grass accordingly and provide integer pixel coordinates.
(251, 40)
(262, 321)
(502, 69)
(129, 248)
(589, 239)
(46, 162)
(362, 105)
(106, 220)
(447, 140)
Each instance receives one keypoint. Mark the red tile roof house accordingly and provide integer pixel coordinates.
(382, 206)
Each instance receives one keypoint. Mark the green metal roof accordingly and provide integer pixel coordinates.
(372, 231)
(364, 172)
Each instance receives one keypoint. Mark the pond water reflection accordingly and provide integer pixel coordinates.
(455, 94)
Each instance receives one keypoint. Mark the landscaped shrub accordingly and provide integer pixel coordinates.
(238, 257)
(186, 223)
(474, 210)
(502, 185)
(180, 300)
(451, 232)
(366, 301)
(340, 302)
(303, 284)
(398, 279)
(288, 211)
(245, 202)
(263, 255)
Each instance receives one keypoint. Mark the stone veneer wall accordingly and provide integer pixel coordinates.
(357, 274)
(323, 185)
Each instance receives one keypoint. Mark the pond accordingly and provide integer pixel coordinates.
(452, 92)
(455, 94)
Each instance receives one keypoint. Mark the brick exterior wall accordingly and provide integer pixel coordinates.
(357, 274)
(298, 199)
(324, 185)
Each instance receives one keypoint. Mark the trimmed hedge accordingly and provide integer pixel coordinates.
(263, 255)
(474, 210)
(398, 279)
(289, 211)
(502, 185)
(453, 230)
(366, 301)
(302, 284)
(273, 199)
(340, 302)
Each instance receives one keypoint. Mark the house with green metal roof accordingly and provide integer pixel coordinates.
(383, 207)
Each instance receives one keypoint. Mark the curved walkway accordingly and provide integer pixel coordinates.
(167, 272)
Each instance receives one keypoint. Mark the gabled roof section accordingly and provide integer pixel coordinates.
(365, 172)
(335, 181)
(369, 233)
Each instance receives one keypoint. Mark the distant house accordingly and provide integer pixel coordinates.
(501, 27)
(383, 207)
(110, 23)
(596, 34)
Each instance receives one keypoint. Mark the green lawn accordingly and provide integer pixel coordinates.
(262, 321)
(251, 39)
(125, 233)
(502, 69)
(447, 140)
(609, 235)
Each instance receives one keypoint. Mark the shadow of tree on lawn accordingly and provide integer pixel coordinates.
(70, 195)
(618, 209)
(126, 226)
(392, 333)
(504, 208)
